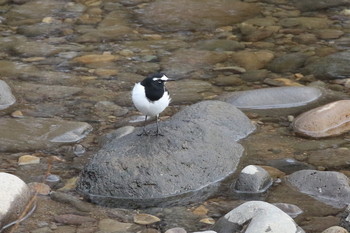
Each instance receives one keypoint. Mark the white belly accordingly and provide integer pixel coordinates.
(149, 108)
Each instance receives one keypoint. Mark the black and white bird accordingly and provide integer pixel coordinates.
(151, 97)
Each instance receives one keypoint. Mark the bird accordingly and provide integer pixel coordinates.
(151, 97)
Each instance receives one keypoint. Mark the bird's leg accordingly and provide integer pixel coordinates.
(144, 132)
(158, 133)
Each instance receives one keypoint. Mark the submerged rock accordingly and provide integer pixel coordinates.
(326, 186)
(334, 66)
(27, 134)
(198, 142)
(179, 15)
(273, 98)
(6, 96)
(329, 120)
(14, 196)
(310, 5)
(257, 217)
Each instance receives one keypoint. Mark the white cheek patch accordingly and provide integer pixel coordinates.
(163, 78)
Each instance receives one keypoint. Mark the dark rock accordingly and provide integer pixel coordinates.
(257, 216)
(311, 5)
(326, 186)
(72, 219)
(334, 66)
(287, 63)
(199, 142)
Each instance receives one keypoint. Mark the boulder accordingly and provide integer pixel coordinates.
(198, 149)
(257, 217)
(326, 186)
(14, 197)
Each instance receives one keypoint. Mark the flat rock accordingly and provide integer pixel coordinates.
(180, 15)
(311, 5)
(273, 98)
(257, 217)
(328, 120)
(6, 97)
(14, 196)
(28, 134)
(334, 66)
(199, 142)
(329, 187)
(306, 22)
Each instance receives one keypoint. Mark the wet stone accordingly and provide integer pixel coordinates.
(220, 45)
(287, 63)
(273, 98)
(258, 216)
(39, 133)
(330, 158)
(6, 97)
(40, 188)
(289, 165)
(252, 179)
(72, 219)
(306, 22)
(28, 159)
(252, 60)
(180, 15)
(310, 5)
(254, 75)
(335, 229)
(111, 225)
(185, 134)
(328, 120)
(334, 66)
(326, 186)
(17, 69)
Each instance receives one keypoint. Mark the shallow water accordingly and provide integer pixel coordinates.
(43, 48)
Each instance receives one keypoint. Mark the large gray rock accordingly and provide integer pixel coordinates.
(6, 96)
(39, 133)
(177, 15)
(198, 150)
(334, 66)
(310, 5)
(14, 196)
(329, 187)
(257, 217)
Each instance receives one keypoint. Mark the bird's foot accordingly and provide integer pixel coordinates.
(144, 133)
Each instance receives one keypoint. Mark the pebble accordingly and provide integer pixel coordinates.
(253, 60)
(70, 184)
(200, 210)
(17, 114)
(145, 219)
(69, 199)
(28, 159)
(325, 121)
(209, 221)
